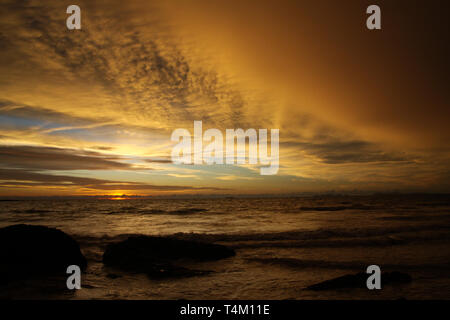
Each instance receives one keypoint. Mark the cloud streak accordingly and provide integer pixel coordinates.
(14, 178)
(45, 158)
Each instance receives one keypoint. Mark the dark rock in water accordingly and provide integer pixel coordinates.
(27, 250)
(154, 249)
(395, 277)
(359, 281)
(158, 256)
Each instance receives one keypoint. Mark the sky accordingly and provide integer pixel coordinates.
(91, 111)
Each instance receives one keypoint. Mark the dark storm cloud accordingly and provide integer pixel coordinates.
(387, 83)
(338, 152)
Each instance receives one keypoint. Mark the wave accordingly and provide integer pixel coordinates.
(32, 211)
(425, 217)
(337, 208)
(129, 208)
(314, 234)
(371, 237)
(188, 211)
(133, 210)
(343, 265)
(152, 211)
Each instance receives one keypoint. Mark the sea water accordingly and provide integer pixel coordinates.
(283, 244)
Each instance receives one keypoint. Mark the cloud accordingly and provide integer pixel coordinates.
(234, 177)
(46, 158)
(350, 106)
(320, 58)
(39, 113)
(102, 148)
(356, 151)
(22, 179)
(130, 58)
(158, 160)
(176, 175)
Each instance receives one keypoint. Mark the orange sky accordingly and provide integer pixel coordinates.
(92, 111)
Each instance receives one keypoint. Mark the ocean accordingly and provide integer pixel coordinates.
(282, 244)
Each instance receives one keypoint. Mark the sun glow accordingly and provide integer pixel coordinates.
(118, 196)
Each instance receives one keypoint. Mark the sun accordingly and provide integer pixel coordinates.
(118, 196)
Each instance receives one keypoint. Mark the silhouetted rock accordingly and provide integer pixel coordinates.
(395, 277)
(359, 281)
(27, 250)
(160, 257)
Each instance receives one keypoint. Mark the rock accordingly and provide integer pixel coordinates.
(27, 250)
(359, 281)
(155, 249)
(160, 257)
